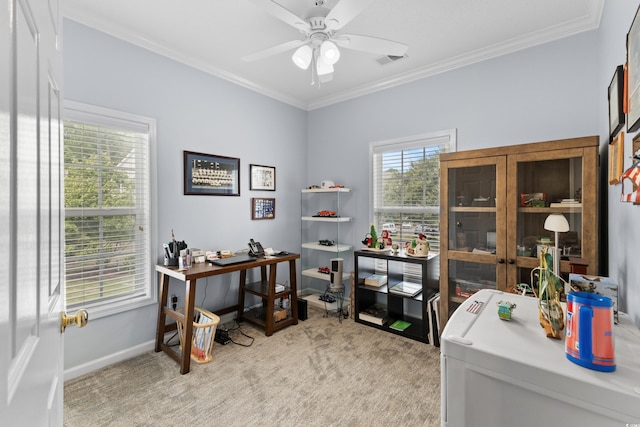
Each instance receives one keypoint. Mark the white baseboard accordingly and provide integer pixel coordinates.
(105, 361)
(94, 365)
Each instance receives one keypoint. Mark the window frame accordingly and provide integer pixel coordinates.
(405, 143)
(81, 112)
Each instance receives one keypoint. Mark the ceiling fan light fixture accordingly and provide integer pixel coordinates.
(329, 52)
(302, 56)
(322, 67)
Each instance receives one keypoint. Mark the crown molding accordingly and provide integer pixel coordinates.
(589, 22)
(129, 37)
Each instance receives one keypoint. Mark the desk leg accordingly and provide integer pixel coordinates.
(243, 281)
(162, 317)
(273, 269)
(189, 302)
(294, 291)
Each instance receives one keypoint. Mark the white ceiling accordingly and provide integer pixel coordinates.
(213, 35)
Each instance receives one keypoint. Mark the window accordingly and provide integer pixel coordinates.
(108, 215)
(406, 185)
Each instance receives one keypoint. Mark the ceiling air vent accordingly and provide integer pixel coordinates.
(387, 59)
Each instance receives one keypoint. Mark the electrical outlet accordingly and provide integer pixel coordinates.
(174, 301)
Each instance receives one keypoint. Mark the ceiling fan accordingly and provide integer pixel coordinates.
(320, 27)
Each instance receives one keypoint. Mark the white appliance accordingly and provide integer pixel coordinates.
(508, 373)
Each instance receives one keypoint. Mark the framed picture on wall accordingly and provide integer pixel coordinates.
(633, 75)
(209, 175)
(262, 178)
(263, 208)
(616, 159)
(616, 95)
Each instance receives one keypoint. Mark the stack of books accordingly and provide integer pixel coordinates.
(566, 203)
(407, 289)
(433, 315)
(376, 280)
(376, 314)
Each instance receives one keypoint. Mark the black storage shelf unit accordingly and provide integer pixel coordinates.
(399, 307)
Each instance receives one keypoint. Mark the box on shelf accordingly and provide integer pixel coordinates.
(600, 285)
(534, 200)
(279, 314)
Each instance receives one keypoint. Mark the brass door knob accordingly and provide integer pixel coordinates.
(79, 319)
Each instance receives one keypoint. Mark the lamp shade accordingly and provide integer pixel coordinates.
(329, 52)
(322, 67)
(302, 56)
(557, 223)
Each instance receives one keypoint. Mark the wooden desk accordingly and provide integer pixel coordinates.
(265, 289)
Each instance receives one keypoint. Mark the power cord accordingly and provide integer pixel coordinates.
(174, 304)
(204, 297)
(237, 328)
(172, 337)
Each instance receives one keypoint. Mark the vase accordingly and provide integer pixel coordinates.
(551, 318)
(550, 310)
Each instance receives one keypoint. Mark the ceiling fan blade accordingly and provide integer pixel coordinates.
(284, 14)
(274, 50)
(371, 44)
(343, 12)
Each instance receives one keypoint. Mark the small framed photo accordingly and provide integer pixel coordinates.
(616, 159)
(616, 96)
(263, 208)
(210, 175)
(262, 178)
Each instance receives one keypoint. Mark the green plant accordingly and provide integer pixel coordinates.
(549, 287)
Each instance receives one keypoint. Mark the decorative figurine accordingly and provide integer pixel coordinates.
(504, 309)
(386, 239)
(422, 246)
(374, 238)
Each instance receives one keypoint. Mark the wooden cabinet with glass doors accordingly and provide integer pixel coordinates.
(493, 205)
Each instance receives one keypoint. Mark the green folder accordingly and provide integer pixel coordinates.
(400, 325)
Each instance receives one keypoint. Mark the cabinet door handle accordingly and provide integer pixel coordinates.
(500, 260)
(511, 261)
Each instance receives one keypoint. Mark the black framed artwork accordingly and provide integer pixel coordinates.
(262, 178)
(633, 75)
(616, 96)
(210, 175)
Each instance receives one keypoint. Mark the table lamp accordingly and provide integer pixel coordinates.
(558, 224)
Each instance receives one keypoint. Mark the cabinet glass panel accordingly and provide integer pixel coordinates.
(467, 278)
(545, 187)
(472, 209)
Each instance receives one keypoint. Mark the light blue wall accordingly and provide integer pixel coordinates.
(557, 90)
(195, 112)
(621, 232)
(543, 93)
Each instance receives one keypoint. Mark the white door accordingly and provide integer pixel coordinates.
(31, 251)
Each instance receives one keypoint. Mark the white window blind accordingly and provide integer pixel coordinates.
(406, 187)
(107, 170)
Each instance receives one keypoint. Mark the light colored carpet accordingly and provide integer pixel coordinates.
(317, 373)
